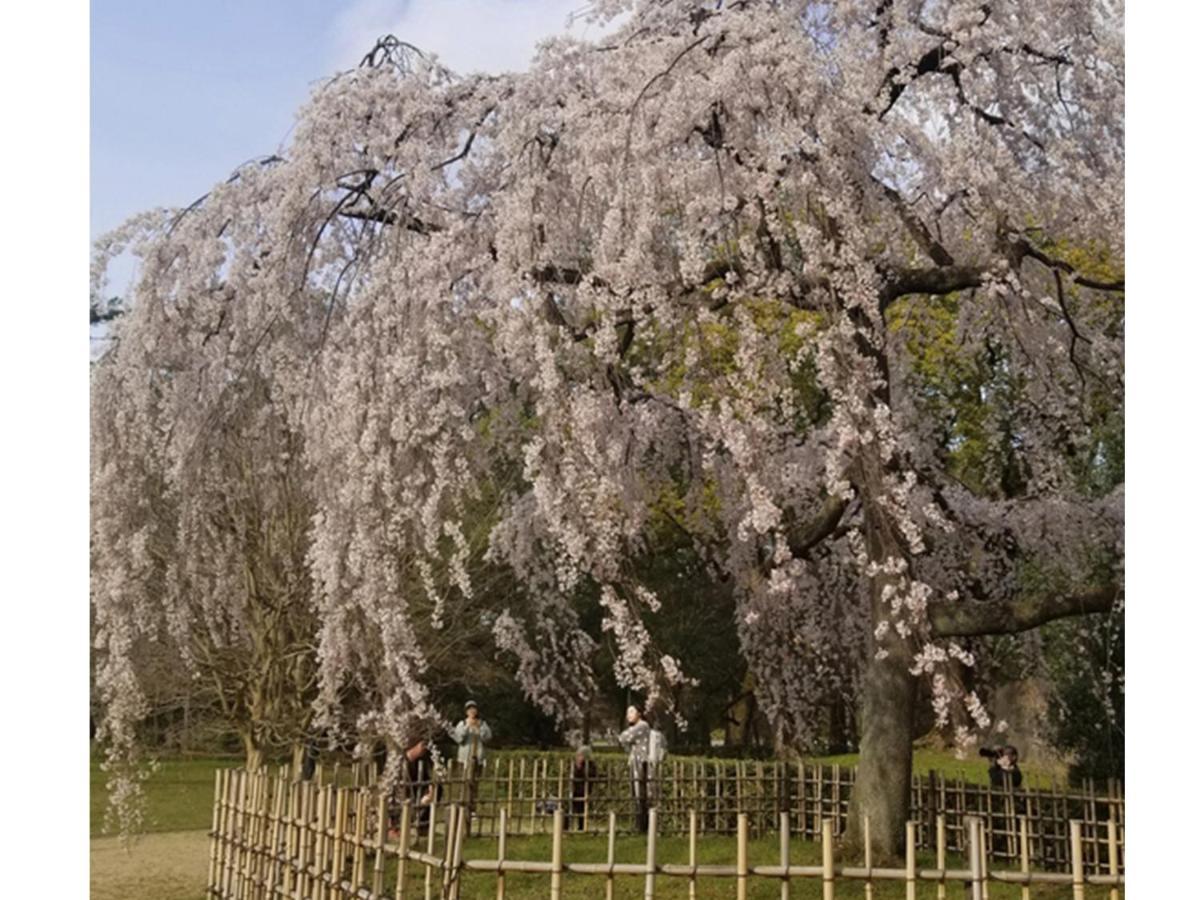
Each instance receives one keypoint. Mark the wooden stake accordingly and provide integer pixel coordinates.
(743, 856)
(1024, 850)
(556, 860)
(453, 813)
(868, 889)
(651, 853)
(503, 846)
(692, 854)
(910, 860)
(429, 844)
(381, 833)
(213, 854)
(612, 853)
(827, 859)
(1114, 863)
(941, 856)
(785, 856)
(1077, 860)
(975, 854)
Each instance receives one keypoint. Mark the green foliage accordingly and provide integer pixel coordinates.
(1086, 660)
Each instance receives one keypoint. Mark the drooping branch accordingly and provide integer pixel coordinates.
(978, 617)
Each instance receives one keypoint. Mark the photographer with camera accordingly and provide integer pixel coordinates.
(1004, 772)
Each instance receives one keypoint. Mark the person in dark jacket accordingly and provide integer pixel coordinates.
(1004, 772)
(583, 776)
(417, 786)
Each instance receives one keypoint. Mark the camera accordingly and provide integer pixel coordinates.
(990, 752)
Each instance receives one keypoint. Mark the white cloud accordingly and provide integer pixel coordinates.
(466, 35)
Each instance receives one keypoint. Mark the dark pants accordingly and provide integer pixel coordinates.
(641, 796)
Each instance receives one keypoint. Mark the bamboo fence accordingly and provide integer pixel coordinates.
(332, 839)
(528, 789)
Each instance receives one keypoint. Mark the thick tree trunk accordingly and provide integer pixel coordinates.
(889, 692)
(881, 787)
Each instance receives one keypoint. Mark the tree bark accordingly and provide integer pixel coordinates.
(889, 692)
(254, 751)
(881, 786)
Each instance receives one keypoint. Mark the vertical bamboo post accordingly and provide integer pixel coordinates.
(1114, 864)
(381, 830)
(743, 855)
(1025, 855)
(502, 848)
(941, 856)
(974, 838)
(453, 814)
(612, 853)
(339, 851)
(910, 860)
(837, 798)
(429, 845)
(358, 870)
(692, 854)
(819, 797)
(785, 855)
(460, 834)
(1076, 860)
(302, 877)
(556, 860)
(651, 853)
(521, 795)
(323, 815)
(291, 835)
(508, 803)
(533, 799)
(827, 886)
(868, 887)
(213, 855)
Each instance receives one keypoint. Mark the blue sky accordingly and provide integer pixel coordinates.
(183, 92)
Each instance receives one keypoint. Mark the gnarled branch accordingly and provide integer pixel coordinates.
(975, 617)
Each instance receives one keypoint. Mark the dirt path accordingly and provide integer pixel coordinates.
(168, 866)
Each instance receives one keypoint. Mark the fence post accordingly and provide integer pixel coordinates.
(502, 849)
(216, 833)
(651, 852)
(743, 860)
(910, 860)
(381, 841)
(941, 856)
(1114, 863)
(612, 853)
(464, 824)
(453, 814)
(556, 862)
(1025, 855)
(1077, 860)
(785, 856)
(868, 888)
(975, 855)
(827, 859)
(692, 854)
(402, 858)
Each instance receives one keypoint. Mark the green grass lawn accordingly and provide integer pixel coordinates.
(179, 795)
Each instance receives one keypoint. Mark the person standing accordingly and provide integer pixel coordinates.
(636, 741)
(471, 734)
(583, 776)
(417, 785)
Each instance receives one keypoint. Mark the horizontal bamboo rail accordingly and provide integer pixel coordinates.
(274, 837)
